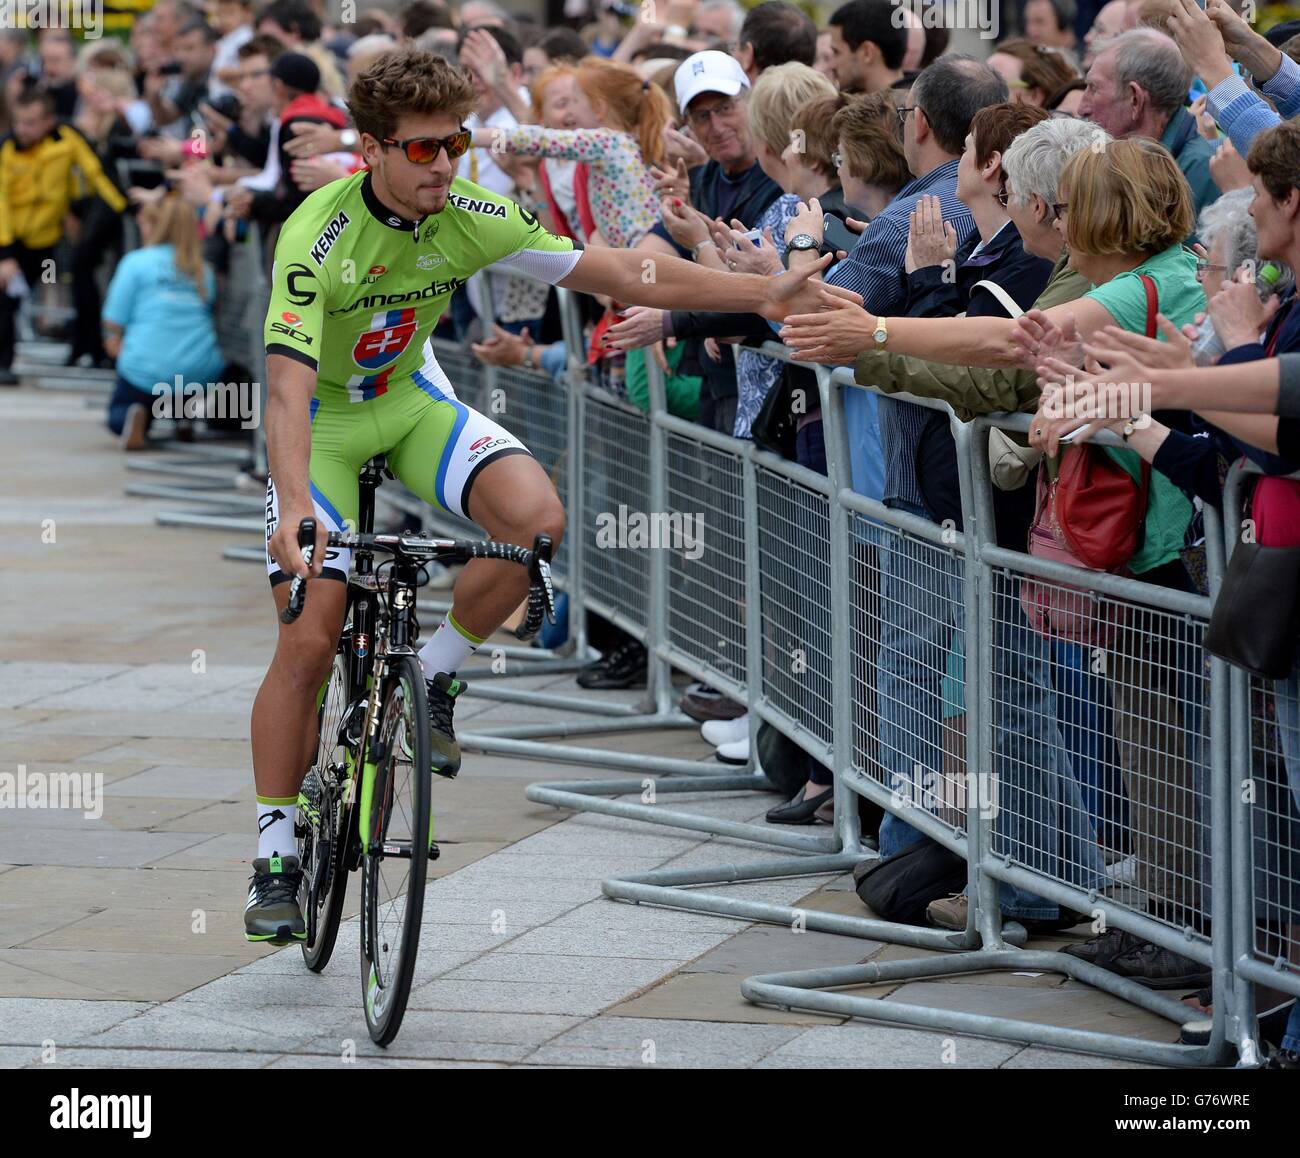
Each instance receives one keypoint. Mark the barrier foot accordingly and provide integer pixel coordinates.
(562, 729)
(588, 796)
(592, 757)
(804, 989)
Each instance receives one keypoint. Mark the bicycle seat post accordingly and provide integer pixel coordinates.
(372, 477)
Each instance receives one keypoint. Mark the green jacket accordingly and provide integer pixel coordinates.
(969, 390)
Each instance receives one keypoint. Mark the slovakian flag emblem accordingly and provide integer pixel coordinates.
(382, 345)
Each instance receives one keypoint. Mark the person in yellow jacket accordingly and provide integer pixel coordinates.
(38, 162)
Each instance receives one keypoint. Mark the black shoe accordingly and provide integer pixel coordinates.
(443, 691)
(798, 810)
(1282, 1059)
(1159, 968)
(1103, 949)
(624, 667)
(272, 914)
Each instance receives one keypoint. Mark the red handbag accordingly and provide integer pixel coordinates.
(1090, 516)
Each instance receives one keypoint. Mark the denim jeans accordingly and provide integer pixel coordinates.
(1041, 823)
(125, 396)
(1287, 700)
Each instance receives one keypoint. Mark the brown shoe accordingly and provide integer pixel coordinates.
(705, 703)
(949, 913)
(135, 426)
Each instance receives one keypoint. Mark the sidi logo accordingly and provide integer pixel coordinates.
(78, 1111)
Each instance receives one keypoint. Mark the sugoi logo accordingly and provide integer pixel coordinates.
(391, 332)
(470, 205)
(291, 319)
(330, 234)
(373, 274)
(485, 444)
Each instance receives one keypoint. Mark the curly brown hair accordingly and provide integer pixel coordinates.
(408, 82)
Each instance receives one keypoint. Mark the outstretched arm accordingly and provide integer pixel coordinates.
(637, 278)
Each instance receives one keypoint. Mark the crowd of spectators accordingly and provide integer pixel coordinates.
(1106, 190)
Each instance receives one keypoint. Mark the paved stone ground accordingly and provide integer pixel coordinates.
(133, 652)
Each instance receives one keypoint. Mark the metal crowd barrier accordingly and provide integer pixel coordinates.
(1010, 778)
(1265, 811)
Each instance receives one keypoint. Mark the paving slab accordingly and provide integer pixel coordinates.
(169, 1059)
(126, 813)
(545, 968)
(206, 784)
(1081, 1008)
(100, 974)
(712, 997)
(887, 1047)
(251, 1028)
(96, 847)
(772, 949)
(122, 929)
(33, 1020)
(645, 1042)
(650, 944)
(516, 997)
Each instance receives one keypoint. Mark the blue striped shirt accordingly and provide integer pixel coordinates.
(1243, 115)
(875, 270)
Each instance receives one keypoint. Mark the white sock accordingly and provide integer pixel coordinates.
(275, 819)
(450, 647)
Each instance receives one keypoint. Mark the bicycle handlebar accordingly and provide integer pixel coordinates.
(537, 561)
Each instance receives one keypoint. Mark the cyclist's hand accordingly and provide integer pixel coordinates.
(284, 545)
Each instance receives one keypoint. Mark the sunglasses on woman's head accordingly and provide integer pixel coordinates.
(425, 150)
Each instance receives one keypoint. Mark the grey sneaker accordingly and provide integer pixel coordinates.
(1159, 968)
(1103, 949)
(443, 691)
(272, 913)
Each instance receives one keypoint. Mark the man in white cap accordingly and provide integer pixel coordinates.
(711, 93)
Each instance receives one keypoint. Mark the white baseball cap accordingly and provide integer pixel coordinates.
(708, 71)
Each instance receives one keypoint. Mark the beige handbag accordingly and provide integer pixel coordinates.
(1010, 461)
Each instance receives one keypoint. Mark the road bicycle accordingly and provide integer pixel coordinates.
(366, 801)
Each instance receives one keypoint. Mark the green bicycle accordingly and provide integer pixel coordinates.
(366, 801)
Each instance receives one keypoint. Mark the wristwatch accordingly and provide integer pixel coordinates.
(349, 138)
(1129, 427)
(803, 242)
(880, 335)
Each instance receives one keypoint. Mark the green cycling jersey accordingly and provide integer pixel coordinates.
(357, 289)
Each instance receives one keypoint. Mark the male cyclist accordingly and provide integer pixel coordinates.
(363, 269)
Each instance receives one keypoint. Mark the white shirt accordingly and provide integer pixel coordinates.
(226, 56)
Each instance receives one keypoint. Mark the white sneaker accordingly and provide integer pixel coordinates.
(718, 732)
(737, 752)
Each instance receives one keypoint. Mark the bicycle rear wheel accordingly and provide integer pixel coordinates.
(321, 811)
(394, 867)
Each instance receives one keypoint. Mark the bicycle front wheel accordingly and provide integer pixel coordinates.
(396, 861)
